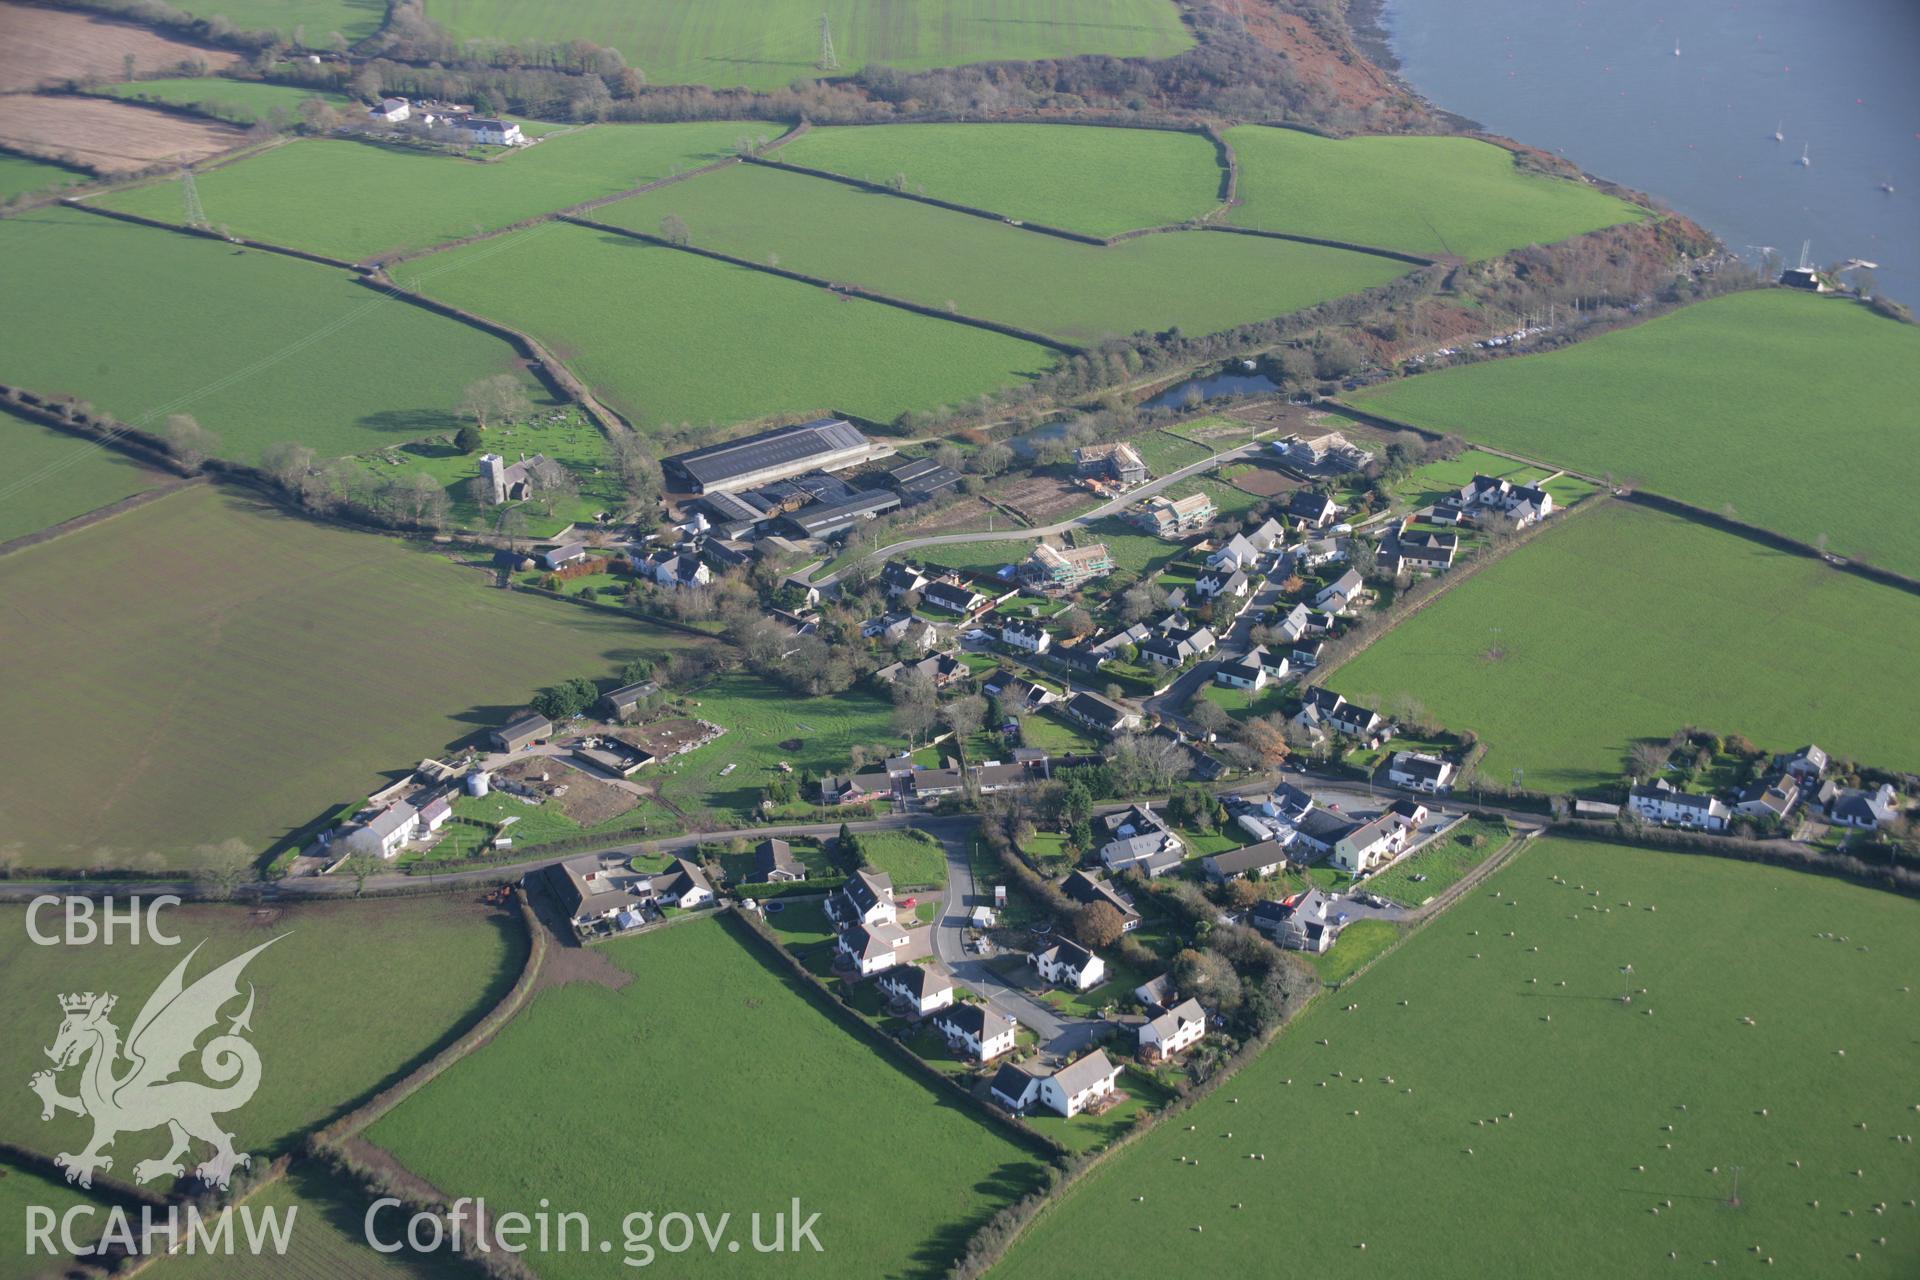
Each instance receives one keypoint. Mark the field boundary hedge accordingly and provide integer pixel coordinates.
(821, 282)
(953, 206)
(1397, 255)
(206, 233)
(1671, 506)
(1774, 853)
(97, 515)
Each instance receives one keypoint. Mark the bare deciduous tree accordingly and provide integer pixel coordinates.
(498, 397)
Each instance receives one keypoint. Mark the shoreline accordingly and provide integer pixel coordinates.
(1367, 27)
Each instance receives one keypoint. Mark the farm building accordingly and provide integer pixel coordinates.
(829, 444)
(626, 702)
(519, 734)
(919, 479)
(823, 520)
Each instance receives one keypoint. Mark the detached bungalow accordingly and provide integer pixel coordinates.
(1087, 889)
(1419, 771)
(1864, 810)
(1014, 1087)
(1256, 860)
(1248, 671)
(1177, 1029)
(774, 863)
(682, 885)
(1096, 712)
(948, 598)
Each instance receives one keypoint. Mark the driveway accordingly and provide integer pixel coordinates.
(1059, 1034)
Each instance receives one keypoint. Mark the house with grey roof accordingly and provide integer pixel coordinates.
(1420, 771)
(919, 987)
(1369, 844)
(1014, 1087)
(1309, 921)
(1079, 1085)
(866, 898)
(1339, 595)
(774, 863)
(1661, 802)
(1174, 1031)
(1864, 809)
(1087, 888)
(1068, 964)
(1255, 860)
(975, 1030)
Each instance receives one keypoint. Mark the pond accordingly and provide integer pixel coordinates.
(1236, 380)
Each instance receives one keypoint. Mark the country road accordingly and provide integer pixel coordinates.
(1100, 512)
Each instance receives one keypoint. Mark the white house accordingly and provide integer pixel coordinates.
(1368, 844)
(866, 898)
(1420, 771)
(495, 133)
(682, 885)
(872, 947)
(1660, 801)
(1309, 921)
(391, 110)
(1339, 595)
(1014, 1087)
(1029, 637)
(1073, 1088)
(978, 1030)
(1177, 1029)
(1864, 809)
(1248, 671)
(386, 832)
(1219, 582)
(919, 986)
(1068, 964)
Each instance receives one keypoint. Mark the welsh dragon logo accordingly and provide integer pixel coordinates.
(143, 1094)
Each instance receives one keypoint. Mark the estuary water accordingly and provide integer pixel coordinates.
(1682, 98)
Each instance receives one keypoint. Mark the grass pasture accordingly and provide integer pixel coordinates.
(21, 1189)
(771, 43)
(671, 338)
(328, 1239)
(416, 971)
(1628, 624)
(1197, 282)
(1453, 1020)
(1098, 181)
(359, 200)
(909, 860)
(259, 347)
(758, 717)
(762, 1057)
(241, 696)
(56, 477)
(317, 19)
(1441, 197)
(235, 101)
(1767, 402)
(21, 176)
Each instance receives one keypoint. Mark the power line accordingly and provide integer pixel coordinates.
(828, 62)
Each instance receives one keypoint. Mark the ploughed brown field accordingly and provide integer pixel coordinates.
(40, 48)
(108, 137)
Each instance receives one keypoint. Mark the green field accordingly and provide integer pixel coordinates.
(22, 1188)
(1591, 1094)
(241, 101)
(1444, 862)
(1629, 624)
(20, 176)
(668, 338)
(259, 347)
(1194, 281)
(758, 717)
(771, 43)
(207, 668)
(1442, 197)
(771, 1086)
(354, 19)
(1164, 452)
(1357, 944)
(908, 860)
(1780, 405)
(328, 1239)
(55, 477)
(1099, 181)
(359, 200)
(352, 996)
